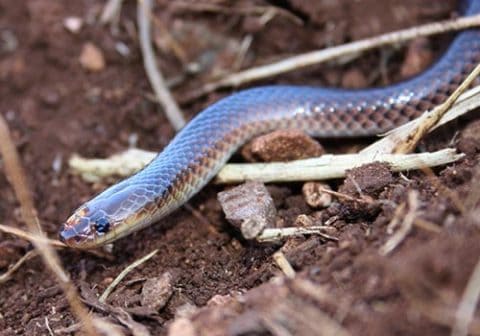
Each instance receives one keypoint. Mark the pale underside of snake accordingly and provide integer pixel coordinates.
(199, 150)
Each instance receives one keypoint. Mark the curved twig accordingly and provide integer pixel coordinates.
(156, 79)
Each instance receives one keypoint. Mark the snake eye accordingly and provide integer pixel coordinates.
(102, 225)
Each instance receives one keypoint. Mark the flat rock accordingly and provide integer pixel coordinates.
(249, 207)
(157, 291)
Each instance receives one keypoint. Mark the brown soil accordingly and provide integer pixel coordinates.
(55, 108)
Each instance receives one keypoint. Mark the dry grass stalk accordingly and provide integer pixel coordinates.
(427, 225)
(283, 264)
(431, 119)
(123, 274)
(155, 77)
(466, 308)
(324, 55)
(406, 226)
(8, 274)
(467, 102)
(17, 178)
(277, 234)
(52, 242)
(111, 11)
(321, 168)
(235, 10)
(29, 236)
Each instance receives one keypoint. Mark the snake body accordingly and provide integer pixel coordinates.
(199, 150)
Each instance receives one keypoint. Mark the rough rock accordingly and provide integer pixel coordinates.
(248, 207)
(157, 291)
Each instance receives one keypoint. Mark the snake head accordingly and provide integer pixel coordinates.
(112, 214)
(85, 227)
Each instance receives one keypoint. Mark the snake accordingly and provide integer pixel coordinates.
(206, 143)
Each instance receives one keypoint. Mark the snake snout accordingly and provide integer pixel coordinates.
(76, 231)
(69, 236)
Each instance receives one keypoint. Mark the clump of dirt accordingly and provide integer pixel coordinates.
(219, 282)
(370, 179)
(282, 145)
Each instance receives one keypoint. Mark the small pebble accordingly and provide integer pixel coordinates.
(91, 58)
(107, 281)
(248, 207)
(303, 221)
(8, 41)
(73, 24)
(181, 326)
(315, 196)
(10, 115)
(122, 49)
(57, 163)
(282, 145)
(157, 291)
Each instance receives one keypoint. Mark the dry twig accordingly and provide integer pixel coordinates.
(29, 236)
(157, 81)
(467, 102)
(8, 274)
(468, 304)
(283, 264)
(363, 199)
(328, 166)
(406, 226)
(431, 119)
(427, 225)
(324, 167)
(123, 274)
(229, 10)
(319, 56)
(111, 11)
(103, 325)
(17, 178)
(277, 234)
(120, 314)
(54, 243)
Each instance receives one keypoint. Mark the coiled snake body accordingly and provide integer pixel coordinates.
(200, 149)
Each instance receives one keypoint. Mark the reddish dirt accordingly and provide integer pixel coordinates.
(55, 108)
